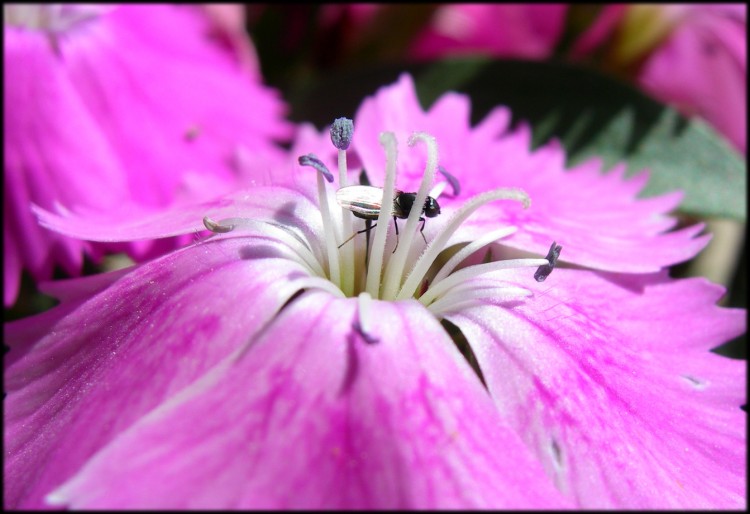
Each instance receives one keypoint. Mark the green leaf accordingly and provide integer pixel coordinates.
(592, 115)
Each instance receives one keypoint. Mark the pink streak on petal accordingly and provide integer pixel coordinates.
(78, 375)
(610, 381)
(311, 416)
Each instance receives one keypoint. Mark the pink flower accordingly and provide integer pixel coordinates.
(272, 366)
(691, 56)
(114, 110)
(702, 67)
(505, 30)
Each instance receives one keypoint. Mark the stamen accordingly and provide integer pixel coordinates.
(543, 272)
(460, 298)
(362, 324)
(342, 131)
(313, 161)
(372, 286)
(438, 243)
(470, 248)
(395, 268)
(325, 211)
(460, 276)
(453, 181)
(281, 233)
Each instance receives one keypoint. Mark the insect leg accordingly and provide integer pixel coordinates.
(395, 222)
(421, 230)
(367, 229)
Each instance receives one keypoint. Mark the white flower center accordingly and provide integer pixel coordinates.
(410, 270)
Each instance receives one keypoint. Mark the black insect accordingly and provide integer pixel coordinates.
(364, 202)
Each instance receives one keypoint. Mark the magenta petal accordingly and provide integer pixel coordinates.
(312, 416)
(80, 374)
(506, 30)
(263, 203)
(610, 382)
(123, 111)
(702, 68)
(596, 217)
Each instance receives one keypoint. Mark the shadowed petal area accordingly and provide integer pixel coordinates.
(121, 344)
(610, 382)
(311, 415)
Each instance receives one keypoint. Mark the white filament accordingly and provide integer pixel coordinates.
(441, 287)
(372, 286)
(299, 247)
(395, 268)
(438, 243)
(470, 248)
(330, 235)
(459, 298)
(347, 251)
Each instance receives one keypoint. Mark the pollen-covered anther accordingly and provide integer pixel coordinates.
(313, 161)
(341, 133)
(543, 271)
(215, 227)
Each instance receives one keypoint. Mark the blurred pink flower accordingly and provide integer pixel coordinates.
(110, 110)
(503, 30)
(702, 67)
(693, 56)
(266, 367)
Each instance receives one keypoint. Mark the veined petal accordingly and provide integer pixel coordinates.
(610, 382)
(80, 374)
(281, 204)
(312, 415)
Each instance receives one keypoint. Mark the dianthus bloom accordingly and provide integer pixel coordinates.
(281, 364)
(691, 56)
(114, 110)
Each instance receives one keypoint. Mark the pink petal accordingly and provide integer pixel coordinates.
(92, 128)
(610, 382)
(312, 416)
(597, 218)
(506, 30)
(80, 374)
(702, 68)
(263, 203)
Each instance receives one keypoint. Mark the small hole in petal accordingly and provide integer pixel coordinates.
(696, 383)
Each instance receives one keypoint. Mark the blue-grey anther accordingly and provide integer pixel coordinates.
(341, 133)
(312, 160)
(543, 271)
(453, 181)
